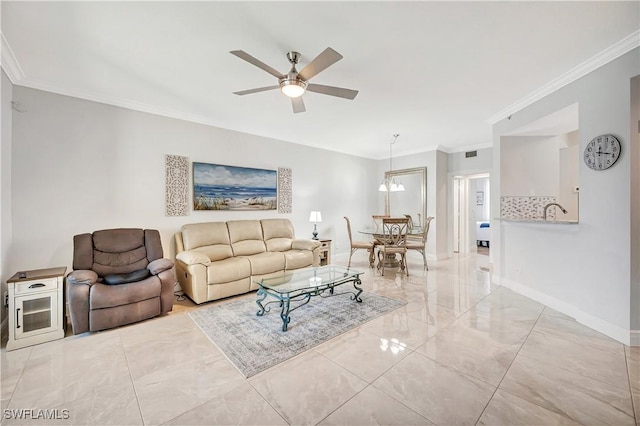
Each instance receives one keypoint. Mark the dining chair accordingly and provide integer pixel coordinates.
(408, 216)
(356, 245)
(393, 241)
(377, 222)
(419, 242)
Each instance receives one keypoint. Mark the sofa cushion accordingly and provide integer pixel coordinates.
(105, 263)
(228, 270)
(108, 296)
(279, 244)
(118, 240)
(246, 237)
(277, 228)
(265, 263)
(296, 259)
(196, 235)
(131, 277)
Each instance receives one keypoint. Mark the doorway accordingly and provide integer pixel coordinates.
(472, 213)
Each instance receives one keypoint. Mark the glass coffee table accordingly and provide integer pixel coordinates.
(293, 289)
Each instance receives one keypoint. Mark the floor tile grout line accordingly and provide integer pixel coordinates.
(267, 402)
(391, 396)
(512, 361)
(22, 370)
(509, 368)
(633, 404)
(595, 379)
(133, 383)
(370, 384)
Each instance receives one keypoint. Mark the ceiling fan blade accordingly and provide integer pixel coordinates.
(333, 91)
(321, 62)
(298, 104)
(259, 89)
(258, 63)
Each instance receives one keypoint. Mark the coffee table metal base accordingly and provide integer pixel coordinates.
(302, 297)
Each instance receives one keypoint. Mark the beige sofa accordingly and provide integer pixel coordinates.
(222, 259)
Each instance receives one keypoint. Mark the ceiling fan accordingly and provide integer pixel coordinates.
(294, 83)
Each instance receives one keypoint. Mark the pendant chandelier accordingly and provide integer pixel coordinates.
(390, 184)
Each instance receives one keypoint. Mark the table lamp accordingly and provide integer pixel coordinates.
(315, 218)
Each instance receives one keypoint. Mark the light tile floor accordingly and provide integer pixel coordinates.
(462, 351)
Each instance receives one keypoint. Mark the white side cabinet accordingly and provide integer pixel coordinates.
(36, 306)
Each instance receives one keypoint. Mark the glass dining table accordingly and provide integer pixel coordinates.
(378, 239)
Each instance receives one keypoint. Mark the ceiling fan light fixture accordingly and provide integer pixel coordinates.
(293, 88)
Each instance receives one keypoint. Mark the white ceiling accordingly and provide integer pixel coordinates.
(434, 72)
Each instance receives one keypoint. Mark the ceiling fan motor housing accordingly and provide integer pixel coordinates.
(293, 57)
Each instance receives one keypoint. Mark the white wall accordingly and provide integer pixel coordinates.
(80, 166)
(582, 270)
(442, 217)
(568, 180)
(635, 208)
(460, 164)
(6, 89)
(529, 165)
(480, 212)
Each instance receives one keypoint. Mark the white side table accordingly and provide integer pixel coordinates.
(36, 306)
(325, 252)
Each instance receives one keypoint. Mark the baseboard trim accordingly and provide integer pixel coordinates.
(634, 338)
(620, 334)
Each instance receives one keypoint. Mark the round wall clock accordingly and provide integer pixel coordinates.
(602, 152)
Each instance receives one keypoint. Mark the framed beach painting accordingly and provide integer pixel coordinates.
(220, 187)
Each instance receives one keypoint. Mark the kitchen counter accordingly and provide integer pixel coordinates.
(539, 221)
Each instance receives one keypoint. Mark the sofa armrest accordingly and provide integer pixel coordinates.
(159, 265)
(305, 244)
(79, 284)
(82, 276)
(192, 257)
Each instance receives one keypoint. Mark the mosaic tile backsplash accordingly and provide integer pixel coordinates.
(521, 207)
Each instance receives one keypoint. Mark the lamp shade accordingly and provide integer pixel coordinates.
(315, 217)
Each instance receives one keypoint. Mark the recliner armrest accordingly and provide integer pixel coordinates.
(159, 265)
(82, 276)
(193, 257)
(305, 244)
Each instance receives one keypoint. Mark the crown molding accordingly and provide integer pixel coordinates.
(9, 62)
(609, 54)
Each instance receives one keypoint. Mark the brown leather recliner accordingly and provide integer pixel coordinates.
(119, 277)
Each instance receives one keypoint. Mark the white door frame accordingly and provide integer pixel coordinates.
(459, 206)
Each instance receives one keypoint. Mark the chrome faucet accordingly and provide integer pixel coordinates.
(544, 213)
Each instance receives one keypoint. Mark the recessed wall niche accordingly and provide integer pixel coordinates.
(540, 161)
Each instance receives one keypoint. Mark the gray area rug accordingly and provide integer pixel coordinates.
(254, 343)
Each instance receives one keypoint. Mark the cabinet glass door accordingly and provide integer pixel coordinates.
(36, 314)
